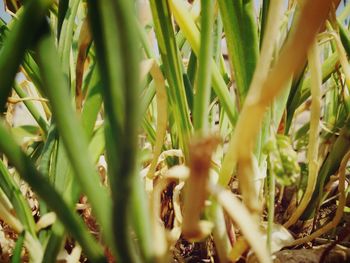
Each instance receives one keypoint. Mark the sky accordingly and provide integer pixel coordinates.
(3, 14)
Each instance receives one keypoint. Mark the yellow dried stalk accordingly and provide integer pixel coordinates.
(243, 219)
(14, 100)
(175, 232)
(85, 38)
(159, 234)
(29, 87)
(262, 92)
(312, 154)
(261, 72)
(45, 221)
(152, 67)
(10, 220)
(163, 239)
(196, 193)
(35, 248)
(340, 208)
(241, 246)
(33, 245)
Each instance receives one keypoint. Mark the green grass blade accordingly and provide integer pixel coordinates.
(66, 36)
(201, 102)
(141, 222)
(54, 243)
(150, 131)
(192, 68)
(328, 168)
(144, 41)
(13, 193)
(92, 104)
(16, 43)
(172, 67)
(218, 29)
(189, 28)
(32, 71)
(32, 109)
(344, 37)
(62, 10)
(45, 190)
(72, 134)
(147, 97)
(69, 188)
(16, 257)
(45, 163)
(117, 56)
(303, 90)
(242, 41)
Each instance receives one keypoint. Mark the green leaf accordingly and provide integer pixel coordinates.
(16, 256)
(172, 67)
(116, 50)
(329, 167)
(72, 133)
(242, 41)
(203, 87)
(18, 40)
(13, 193)
(45, 190)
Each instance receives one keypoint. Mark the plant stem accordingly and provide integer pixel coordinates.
(201, 102)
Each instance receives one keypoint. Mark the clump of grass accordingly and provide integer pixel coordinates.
(125, 119)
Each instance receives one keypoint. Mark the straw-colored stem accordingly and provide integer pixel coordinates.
(242, 217)
(344, 63)
(312, 155)
(196, 193)
(340, 209)
(162, 114)
(260, 96)
(10, 220)
(260, 75)
(271, 184)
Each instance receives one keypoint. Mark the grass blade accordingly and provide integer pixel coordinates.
(16, 257)
(13, 193)
(32, 109)
(315, 67)
(187, 25)
(167, 46)
(242, 41)
(117, 57)
(72, 134)
(46, 191)
(18, 40)
(201, 102)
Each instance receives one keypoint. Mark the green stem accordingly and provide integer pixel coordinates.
(242, 41)
(201, 103)
(169, 52)
(329, 167)
(17, 41)
(13, 193)
(45, 190)
(32, 109)
(72, 134)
